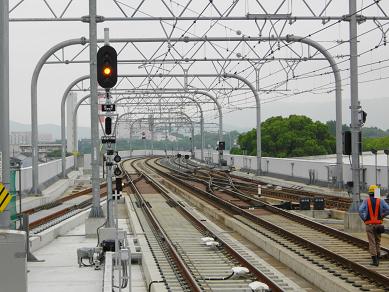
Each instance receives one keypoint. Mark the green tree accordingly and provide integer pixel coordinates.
(332, 127)
(289, 137)
(367, 132)
(57, 154)
(375, 143)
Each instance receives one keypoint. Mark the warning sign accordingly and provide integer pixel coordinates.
(5, 197)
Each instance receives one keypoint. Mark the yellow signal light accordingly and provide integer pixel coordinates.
(107, 71)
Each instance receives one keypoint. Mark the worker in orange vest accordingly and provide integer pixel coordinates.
(372, 211)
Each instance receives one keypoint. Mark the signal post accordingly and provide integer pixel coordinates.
(106, 78)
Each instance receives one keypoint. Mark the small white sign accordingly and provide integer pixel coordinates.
(1, 166)
(259, 190)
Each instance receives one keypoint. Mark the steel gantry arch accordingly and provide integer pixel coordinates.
(86, 77)
(185, 116)
(75, 112)
(224, 75)
(176, 122)
(182, 97)
(288, 38)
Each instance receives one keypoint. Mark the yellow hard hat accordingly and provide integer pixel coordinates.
(372, 188)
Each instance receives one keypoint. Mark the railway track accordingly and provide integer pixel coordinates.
(186, 264)
(75, 194)
(250, 186)
(48, 215)
(339, 254)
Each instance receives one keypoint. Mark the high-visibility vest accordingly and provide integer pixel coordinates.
(373, 215)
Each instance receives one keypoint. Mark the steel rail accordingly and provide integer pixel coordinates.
(316, 225)
(191, 281)
(251, 186)
(60, 213)
(60, 200)
(357, 268)
(262, 277)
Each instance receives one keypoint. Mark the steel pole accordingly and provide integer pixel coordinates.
(152, 139)
(258, 116)
(355, 124)
(75, 134)
(387, 174)
(4, 105)
(34, 106)
(110, 217)
(63, 127)
(219, 109)
(338, 100)
(75, 142)
(192, 140)
(96, 210)
(202, 139)
(376, 169)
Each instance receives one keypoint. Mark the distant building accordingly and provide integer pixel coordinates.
(123, 131)
(16, 139)
(19, 138)
(25, 159)
(45, 138)
(43, 149)
(158, 136)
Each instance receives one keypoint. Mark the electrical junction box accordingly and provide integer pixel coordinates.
(305, 204)
(13, 261)
(318, 203)
(333, 171)
(107, 234)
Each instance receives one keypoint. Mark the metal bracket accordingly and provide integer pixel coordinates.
(360, 18)
(25, 228)
(86, 19)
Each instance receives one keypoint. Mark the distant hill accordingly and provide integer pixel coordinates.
(55, 130)
(235, 127)
(367, 132)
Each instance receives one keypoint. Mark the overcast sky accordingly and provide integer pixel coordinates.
(29, 41)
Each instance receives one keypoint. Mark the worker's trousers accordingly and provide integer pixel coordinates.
(374, 239)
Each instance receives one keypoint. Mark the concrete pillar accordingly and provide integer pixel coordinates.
(71, 102)
(4, 105)
(352, 222)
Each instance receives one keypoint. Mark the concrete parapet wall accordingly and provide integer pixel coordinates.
(47, 172)
(299, 169)
(128, 153)
(50, 234)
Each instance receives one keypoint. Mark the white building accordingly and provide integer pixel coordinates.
(18, 138)
(24, 138)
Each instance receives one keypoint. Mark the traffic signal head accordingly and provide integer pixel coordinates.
(119, 185)
(117, 158)
(107, 67)
(222, 145)
(108, 126)
(117, 171)
(107, 71)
